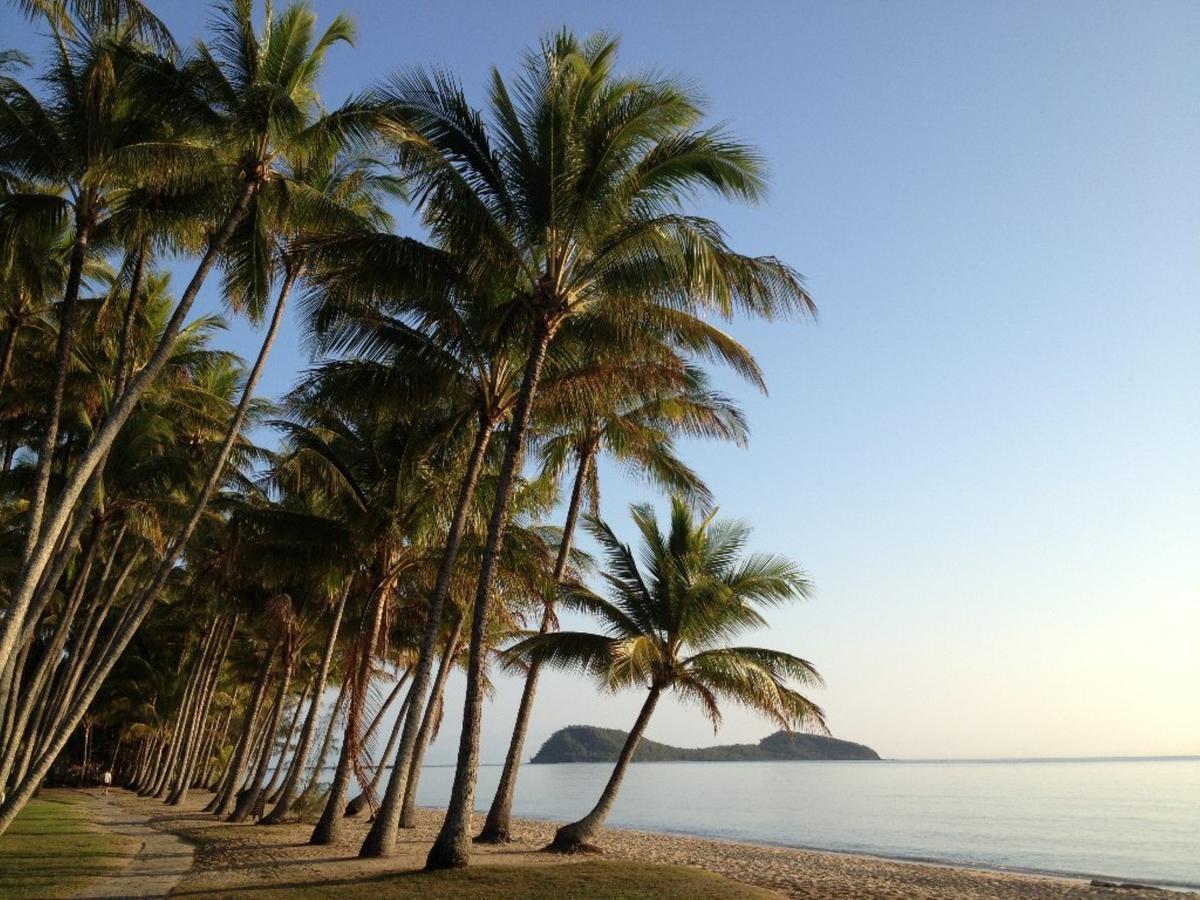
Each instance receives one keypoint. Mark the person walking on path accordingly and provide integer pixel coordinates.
(107, 780)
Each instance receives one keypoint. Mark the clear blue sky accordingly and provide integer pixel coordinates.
(986, 452)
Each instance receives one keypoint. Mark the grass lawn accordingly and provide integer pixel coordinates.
(52, 851)
(592, 879)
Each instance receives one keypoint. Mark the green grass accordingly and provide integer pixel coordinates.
(593, 880)
(51, 850)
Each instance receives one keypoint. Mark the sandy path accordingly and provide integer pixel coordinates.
(159, 864)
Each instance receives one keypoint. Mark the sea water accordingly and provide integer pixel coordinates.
(1127, 819)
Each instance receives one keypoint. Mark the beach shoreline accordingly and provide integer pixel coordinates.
(1074, 877)
(232, 857)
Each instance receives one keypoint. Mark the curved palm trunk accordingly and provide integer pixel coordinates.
(381, 839)
(453, 845)
(499, 817)
(573, 838)
(291, 787)
(53, 524)
(408, 810)
(245, 802)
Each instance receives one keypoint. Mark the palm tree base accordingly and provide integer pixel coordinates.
(446, 855)
(568, 840)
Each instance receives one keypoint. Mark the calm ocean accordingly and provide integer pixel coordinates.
(1128, 819)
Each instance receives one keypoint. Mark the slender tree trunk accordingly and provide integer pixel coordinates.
(432, 713)
(53, 524)
(245, 742)
(58, 384)
(381, 839)
(499, 817)
(123, 349)
(452, 848)
(179, 731)
(39, 685)
(283, 764)
(359, 802)
(326, 742)
(574, 837)
(197, 734)
(245, 802)
(290, 791)
(366, 793)
(329, 827)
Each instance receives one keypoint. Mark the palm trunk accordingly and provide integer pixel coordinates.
(359, 802)
(283, 764)
(241, 753)
(37, 690)
(453, 845)
(55, 522)
(135, 288)
(425, 735)
(366, 793)
(329, 827)
(573, 838)
(179, 731)
(245, 802)
(290, 791)
(58, 385)
(99, 449)
(499, 817)
(326, 742)
(197, 733)
(381, 839)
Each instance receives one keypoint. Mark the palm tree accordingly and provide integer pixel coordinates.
(240, 108)
(61, 149)
(570, 195)
(638, 433)
(666, 627)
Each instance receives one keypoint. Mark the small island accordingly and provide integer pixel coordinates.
(586, 743)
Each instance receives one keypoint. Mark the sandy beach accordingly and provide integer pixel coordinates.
(230, 857)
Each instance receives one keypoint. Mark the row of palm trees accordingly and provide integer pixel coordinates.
(199, 598)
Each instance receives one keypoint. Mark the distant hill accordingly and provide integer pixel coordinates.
(585, 743)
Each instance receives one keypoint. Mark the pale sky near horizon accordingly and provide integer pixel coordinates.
(985, 452)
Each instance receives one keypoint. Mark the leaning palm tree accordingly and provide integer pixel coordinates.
(666, 627)
(570, 196)
(638, 433)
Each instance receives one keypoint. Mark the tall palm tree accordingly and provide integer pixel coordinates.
(571, 195)
(667, 624)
